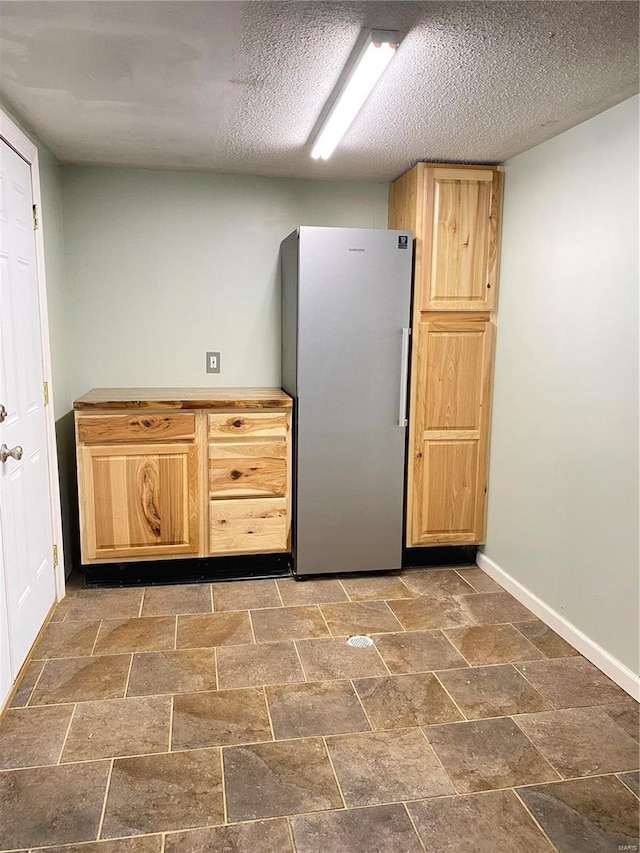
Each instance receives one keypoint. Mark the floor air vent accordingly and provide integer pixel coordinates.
(359, 641)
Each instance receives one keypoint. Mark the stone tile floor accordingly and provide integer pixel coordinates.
(235, 717)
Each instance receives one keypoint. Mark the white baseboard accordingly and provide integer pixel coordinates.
(605, 662)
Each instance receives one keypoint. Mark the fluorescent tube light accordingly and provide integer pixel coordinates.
(376, 54)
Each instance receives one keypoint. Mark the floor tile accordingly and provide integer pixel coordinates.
(571, 682)
(380, 829)
(288, 623)
(594, 815)
(183, 671)
(384, 767)
(489, 644)
(214, 629)
(253, 666)
(219, 718)
(177, 599)
(142, 844)
(33, 736)
(263, 836)
(417, 614)
(151, 634)
(51, 805)
(319, 708)
(626, 715)
(550, 643)
(436, 583)
(479, 580)
(66, 640)
(82, 679)
(312, 591)
(380, 587)
(28, 679)
(399, 701)
(98, 603)
(330, 659)
(272, 779)
(486, 754)
(119, 727)
(492, 608)
(631, 780)
(62, 608)
(492, 691)
(359, 617)
(245, 595)
(418, 651)
(489, 822)
(581, 742)
(155, 793)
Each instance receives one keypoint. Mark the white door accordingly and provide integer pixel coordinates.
(28, 586)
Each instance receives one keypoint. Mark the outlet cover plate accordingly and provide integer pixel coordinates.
(213, 362)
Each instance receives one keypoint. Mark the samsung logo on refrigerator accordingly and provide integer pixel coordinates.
(357, 250)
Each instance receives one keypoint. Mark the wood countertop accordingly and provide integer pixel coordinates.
(183, 398)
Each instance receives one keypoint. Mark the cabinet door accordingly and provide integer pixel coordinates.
(450, 430)
(460, 253)
(138, 500)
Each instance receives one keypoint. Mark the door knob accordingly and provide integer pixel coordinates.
(3, 413)
(14, 453)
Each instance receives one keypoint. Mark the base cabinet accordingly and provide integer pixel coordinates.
(164, 484)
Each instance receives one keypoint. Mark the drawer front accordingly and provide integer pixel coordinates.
(241, 470)
(248, 526)
(92, 429)
(249, 425)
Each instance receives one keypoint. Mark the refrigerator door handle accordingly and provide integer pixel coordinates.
(404, 375)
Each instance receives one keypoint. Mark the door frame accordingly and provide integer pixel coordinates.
(23, 146)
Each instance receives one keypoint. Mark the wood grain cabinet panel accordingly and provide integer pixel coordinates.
(139, 427)
(461, 272)
(139, 501)
(450, 435)
(248, 526)
(454, 213)
(248, 425)
(247, 469)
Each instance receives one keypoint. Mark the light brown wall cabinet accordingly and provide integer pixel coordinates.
(157, 484)
(454, 212)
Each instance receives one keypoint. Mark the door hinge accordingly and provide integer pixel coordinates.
(46, 393)
(35, 217)
(55, 556)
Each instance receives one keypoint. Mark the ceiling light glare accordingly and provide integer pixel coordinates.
(378, 52)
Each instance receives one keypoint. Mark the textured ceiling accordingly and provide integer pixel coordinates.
(238, 87)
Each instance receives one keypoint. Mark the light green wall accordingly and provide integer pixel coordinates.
(59, 337)
(163, 266)
(563, 485)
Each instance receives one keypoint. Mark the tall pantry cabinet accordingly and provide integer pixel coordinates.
(454, 213)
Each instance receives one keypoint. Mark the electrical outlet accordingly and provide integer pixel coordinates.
(213, 362)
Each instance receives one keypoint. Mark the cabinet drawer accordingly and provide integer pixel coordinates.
(93, 429)
(248, 526)
(249, 425)
(247, 469)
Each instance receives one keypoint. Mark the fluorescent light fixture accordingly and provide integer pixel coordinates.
(377, 52)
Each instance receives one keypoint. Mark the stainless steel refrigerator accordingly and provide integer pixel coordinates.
(346, 296)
